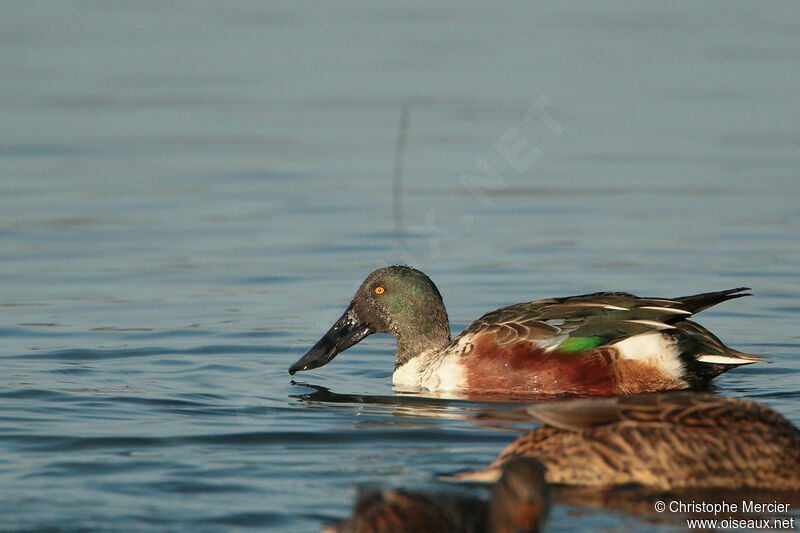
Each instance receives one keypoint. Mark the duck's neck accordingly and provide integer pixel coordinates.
(429, 338)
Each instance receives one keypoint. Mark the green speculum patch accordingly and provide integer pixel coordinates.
(578, 344)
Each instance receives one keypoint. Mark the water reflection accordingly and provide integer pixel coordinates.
(403, 404)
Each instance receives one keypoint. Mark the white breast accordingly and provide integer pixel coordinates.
(440, 374)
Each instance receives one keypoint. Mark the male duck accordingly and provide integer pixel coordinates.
(519, 503)
(604, 343)
(662, 440)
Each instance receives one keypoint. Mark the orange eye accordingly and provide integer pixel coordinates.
(379, 290)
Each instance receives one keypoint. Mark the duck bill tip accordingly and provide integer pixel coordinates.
(344, 333)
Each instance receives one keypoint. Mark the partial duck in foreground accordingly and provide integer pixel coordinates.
(667, 440)
(597, 344)
(519, 503)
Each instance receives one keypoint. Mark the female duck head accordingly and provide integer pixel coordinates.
(398, 300)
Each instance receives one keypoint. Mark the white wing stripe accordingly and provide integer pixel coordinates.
(666, 310)
(652, 323)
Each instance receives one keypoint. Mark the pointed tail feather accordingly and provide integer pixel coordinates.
(714, 363)
(733, 358)
(713, 351)
(697, 302)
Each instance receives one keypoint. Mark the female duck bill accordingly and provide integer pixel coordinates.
(344, 333)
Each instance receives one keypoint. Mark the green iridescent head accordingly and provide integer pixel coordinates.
(398, 300)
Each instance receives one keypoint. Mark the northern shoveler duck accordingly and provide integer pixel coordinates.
(597, 344)
(666, 440)
(519, 503)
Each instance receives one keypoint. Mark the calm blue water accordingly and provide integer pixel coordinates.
(190, 192)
